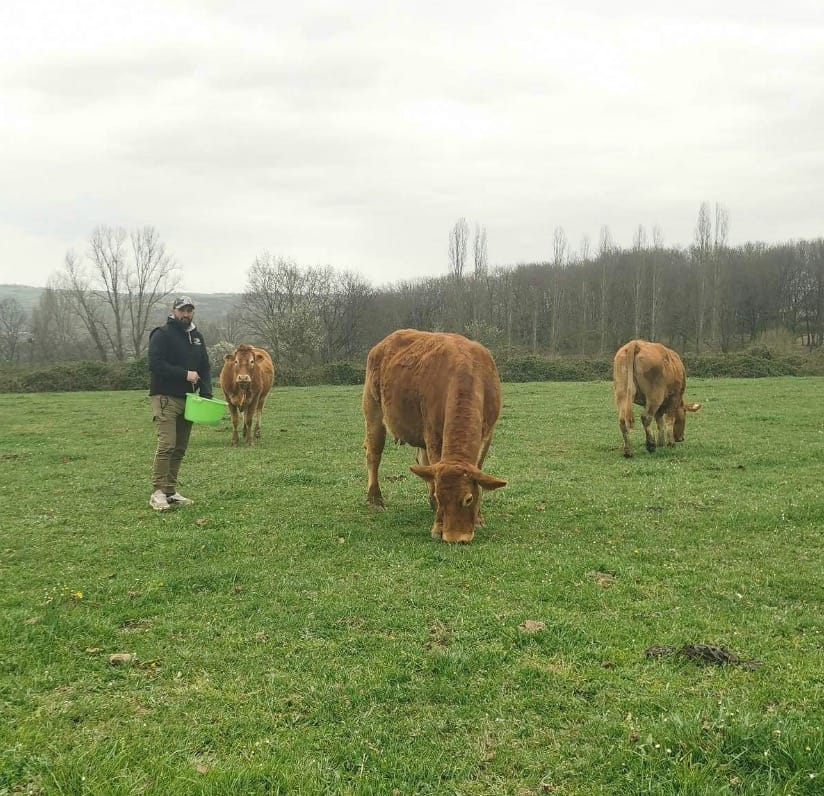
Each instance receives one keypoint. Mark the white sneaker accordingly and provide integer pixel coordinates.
(158, 500)
(178, 500)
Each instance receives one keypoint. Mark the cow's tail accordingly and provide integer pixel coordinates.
(625, 385)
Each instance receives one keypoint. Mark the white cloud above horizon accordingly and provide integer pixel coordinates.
(356, 135)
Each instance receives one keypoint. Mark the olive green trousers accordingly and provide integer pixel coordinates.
(173, 432)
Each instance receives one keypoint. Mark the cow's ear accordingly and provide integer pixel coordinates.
(692, 407)
(485, 481)
(425, 471)
(489, 482)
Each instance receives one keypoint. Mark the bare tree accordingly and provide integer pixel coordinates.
(56, 329)
(722, 224)
(702, 250)
(480, 252)
(77, 287)
(343, 307)
(639, 245)
(458, 240)
(233, 327)
(559, 247)
(281, 303)
(113, 296)
(722, 227)
(605, 248)
(480, 272)
(559, 255)
(12, 329)
(106, 250)
(458, 243)
(584, 248)
(150, 280)
(655, 280)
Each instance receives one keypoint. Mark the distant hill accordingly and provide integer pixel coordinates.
(27, 297)
(210, 306)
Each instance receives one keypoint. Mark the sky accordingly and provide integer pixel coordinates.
(355, 134)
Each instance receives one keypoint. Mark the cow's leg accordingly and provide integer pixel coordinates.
(248, 418)
(233, 411)
(432, 455)
(422, 459)
(646, 419)
(479, 519)
(373, 445)
(625, 434)
(437, 526)
(258, 413)
(662, 431)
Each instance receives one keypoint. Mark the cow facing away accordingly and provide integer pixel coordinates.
(246, 378)
(650, 375)
(441, 394)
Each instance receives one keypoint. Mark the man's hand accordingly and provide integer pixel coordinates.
(191, 375)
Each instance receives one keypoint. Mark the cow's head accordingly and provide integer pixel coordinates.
(679, 421)
(457, 492)
(243, 361)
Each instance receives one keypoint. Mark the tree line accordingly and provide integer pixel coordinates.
(709, 297)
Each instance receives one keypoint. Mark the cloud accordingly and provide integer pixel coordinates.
(356, 137)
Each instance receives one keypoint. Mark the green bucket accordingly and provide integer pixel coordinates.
(204, 410)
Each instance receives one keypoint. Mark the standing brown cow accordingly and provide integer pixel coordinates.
(440, 393)
(651, 375)
(246, 378)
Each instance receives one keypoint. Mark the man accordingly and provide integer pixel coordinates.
(178, 364)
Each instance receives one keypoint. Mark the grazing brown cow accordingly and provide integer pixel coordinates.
(440, 393)
(650, 375)
(246, 378)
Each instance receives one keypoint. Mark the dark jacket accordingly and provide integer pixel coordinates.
(175, 349)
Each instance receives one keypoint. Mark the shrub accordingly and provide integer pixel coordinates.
(531, 367)
(743, 364)
(76, 376)
(812, 364)
(10, 381)
(342, 373)
(756, 362)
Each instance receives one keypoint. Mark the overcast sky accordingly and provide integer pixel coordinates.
(354, 134)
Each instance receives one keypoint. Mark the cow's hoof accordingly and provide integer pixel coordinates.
(437, 533)
(627, 454)
(375, 502)
(650, 448)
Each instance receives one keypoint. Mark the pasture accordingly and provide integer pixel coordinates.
(289, 640)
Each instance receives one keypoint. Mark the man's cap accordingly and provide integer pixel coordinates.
(181, 302)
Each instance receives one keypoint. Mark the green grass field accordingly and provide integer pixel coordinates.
(288, 640)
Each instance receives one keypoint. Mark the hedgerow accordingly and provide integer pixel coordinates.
(758, 362)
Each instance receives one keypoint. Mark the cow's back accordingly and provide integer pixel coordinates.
(413, 374)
